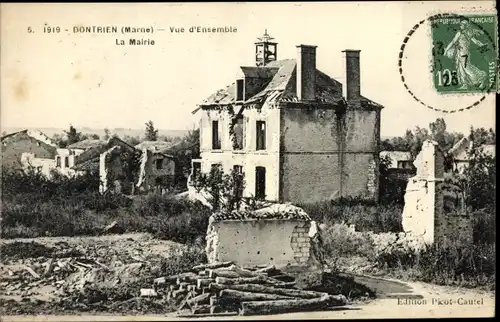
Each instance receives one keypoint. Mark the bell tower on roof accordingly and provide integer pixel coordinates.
(266, 50)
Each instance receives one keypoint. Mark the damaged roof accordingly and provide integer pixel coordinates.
(36, 134)
(282, 87)
(460, 151)
(155, 146)
(397, 155)
(94, 151)
(87, 144)
(273, 212)
(88, 165)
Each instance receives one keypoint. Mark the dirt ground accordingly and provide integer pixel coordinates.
(35, 272)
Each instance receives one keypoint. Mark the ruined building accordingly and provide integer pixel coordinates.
(296, 133)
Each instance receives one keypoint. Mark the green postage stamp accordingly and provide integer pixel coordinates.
(464, 53)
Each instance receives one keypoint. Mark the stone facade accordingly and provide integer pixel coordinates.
(315, 169)
(423, 214)
(249, 157)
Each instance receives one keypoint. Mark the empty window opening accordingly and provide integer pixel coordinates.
(261, 135)
(196, 170)
(216, 144)
(239, 90)
(159, 164)
(238, 169)
(238, 180)
(216, 167)
(260, 182)
(404, 165)
(239, 134)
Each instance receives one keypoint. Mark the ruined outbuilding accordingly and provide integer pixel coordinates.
(33, 144)
(275, 235)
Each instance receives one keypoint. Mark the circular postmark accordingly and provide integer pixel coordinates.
(463, 77)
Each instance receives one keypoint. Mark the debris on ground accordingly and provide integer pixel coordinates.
(227, 289)
(54, 275)
(121, 274)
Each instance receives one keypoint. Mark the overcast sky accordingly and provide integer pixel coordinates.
(52, 80)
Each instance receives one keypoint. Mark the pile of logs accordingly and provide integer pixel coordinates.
(226, 289)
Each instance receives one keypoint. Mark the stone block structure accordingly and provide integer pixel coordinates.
(423, 213)
(300, 242)
(261, 237)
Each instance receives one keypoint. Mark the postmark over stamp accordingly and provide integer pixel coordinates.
(464, 53)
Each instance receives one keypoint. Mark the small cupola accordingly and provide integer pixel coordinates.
(266, 50)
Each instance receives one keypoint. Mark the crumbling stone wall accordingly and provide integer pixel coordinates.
(454, 227)
(423, 213)
(300, 242)
(373, 178)
(259, 241)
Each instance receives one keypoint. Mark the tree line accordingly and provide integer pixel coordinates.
(437, 131)
(72, 135)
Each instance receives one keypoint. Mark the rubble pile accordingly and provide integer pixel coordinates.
(227, 289)
(65, 276)
(124, 276)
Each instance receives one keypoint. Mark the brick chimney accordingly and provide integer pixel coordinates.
(351, 88)
(306, 72)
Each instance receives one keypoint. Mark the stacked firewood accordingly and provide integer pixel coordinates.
(227, 289)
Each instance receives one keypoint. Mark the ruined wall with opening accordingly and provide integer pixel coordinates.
(423, 214)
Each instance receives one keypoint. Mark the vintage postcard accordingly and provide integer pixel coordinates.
(226, 161)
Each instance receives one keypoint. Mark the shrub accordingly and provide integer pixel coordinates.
(31, 215)
(183, 260)
(32, 181)
(186, 222)
(480, 180)
(225, 190)
(342, 240)
(484, 227)
(443, 264)
(152, 205)
(33, 205)
(366, 215)
(450, 263)
(185, 227)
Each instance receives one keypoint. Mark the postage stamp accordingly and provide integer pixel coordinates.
(465, 53)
